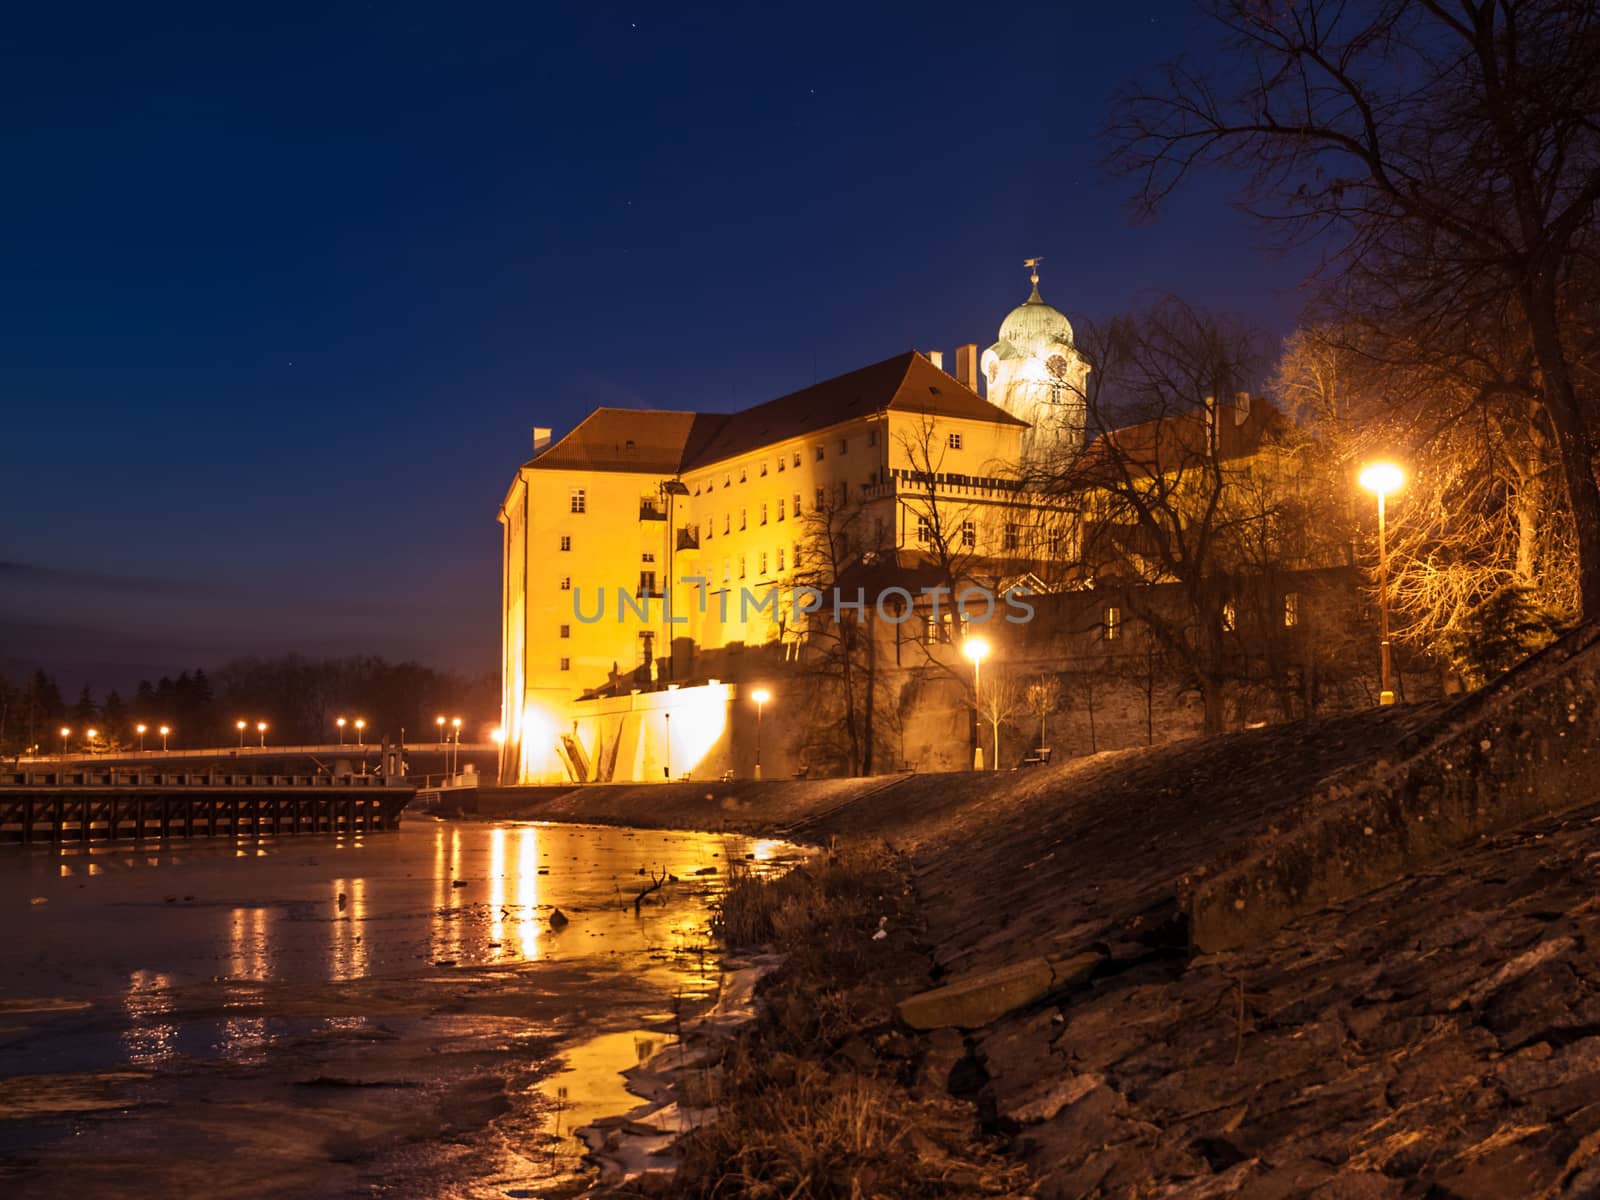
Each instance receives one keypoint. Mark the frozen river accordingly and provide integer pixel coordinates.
(394, 1015)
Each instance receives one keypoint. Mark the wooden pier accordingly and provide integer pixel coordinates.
(95, 805)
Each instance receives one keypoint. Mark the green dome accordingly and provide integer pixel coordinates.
(1033, 327)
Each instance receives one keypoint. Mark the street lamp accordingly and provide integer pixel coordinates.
(497, 736)
(139, 729)
(261, 728)
(89, 736)
(455, 755)
(977, 649)
(439, 721)
(361, 724)
(164, 731)
(240, 726)
(1381, 478)
(65, 734)
(341, 724)
(760, 696)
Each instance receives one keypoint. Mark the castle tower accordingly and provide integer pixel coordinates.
(1034, 372)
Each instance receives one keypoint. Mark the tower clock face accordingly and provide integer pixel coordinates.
(1057, 367)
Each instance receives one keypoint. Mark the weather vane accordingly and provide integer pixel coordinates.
(1033, 266)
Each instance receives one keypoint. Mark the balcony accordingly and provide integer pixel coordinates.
(688, 539)
(651, 510)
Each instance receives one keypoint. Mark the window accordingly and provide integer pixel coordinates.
(969, 534)
(727, 569)
(1230, 619)
(566, 664)
(844, 493)
(628, 447)
(797, 504)
(566, 631)
(566, 541)
(924, 530)
(744, 518)
(763, 512)
(763, 562)
(797, 458)
(710, 529)
(648, 556)
(794, 556)
(744, 474)
(782, 462)
(822, 453)
(844, 445)
(780, 510)
(872, 437)
(727, 481)
(1113, 625)
(577, 501)
(955, 441)
(1013, 536)
(741, 566)
(1291, 610)
(566, 583)
(1054, 542)
(647, 583)
(822, 498)
(780, 559)
(726, 518)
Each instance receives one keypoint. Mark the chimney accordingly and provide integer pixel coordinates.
(541, 438)
(967, 365)
(936, 357)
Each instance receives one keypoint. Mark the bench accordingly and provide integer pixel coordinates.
(1037, 757)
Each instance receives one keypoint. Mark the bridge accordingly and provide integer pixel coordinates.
(93, 804)
(468, 752)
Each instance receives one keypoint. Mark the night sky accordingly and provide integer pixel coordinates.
(285, 287)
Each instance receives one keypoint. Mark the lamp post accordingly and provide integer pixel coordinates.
(139, 729)
(1381, 478)
(439, 721)
(89, 736)
(240, 726)
(65, 734)
(361, 725)
(666, 771)
(455, 754)
(671, 489)
(164, 731)
(261, 728)
(760, 696)
(341, 724)
(977, 649)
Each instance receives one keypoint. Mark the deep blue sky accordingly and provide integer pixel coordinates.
(285, 286)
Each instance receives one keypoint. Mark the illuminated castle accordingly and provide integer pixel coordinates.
(603, 641)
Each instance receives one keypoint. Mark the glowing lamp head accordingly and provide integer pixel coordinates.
(65, 731)
(456, 723)
(1382, 478)
(261, 726)
(975, 648)
(340, 722)
(165, 729)
(140, 728)
(497, 736)
(761, 695)
(91, 733)
(438, 721)
(360, 724)
(238, 724)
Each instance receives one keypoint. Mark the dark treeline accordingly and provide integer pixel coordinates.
(300, 699)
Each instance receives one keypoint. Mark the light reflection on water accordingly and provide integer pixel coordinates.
(242, 954)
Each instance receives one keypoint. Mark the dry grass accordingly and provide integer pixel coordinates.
(797, 1119)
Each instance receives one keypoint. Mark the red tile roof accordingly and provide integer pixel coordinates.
(622, 439)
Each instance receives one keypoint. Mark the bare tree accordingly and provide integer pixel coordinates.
(1196, 492)
(1000, 698)
(1043, 697)
(1451, 153)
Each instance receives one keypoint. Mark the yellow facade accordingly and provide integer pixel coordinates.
(597, 524)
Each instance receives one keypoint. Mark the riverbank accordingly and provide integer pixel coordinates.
(1433, 1033)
